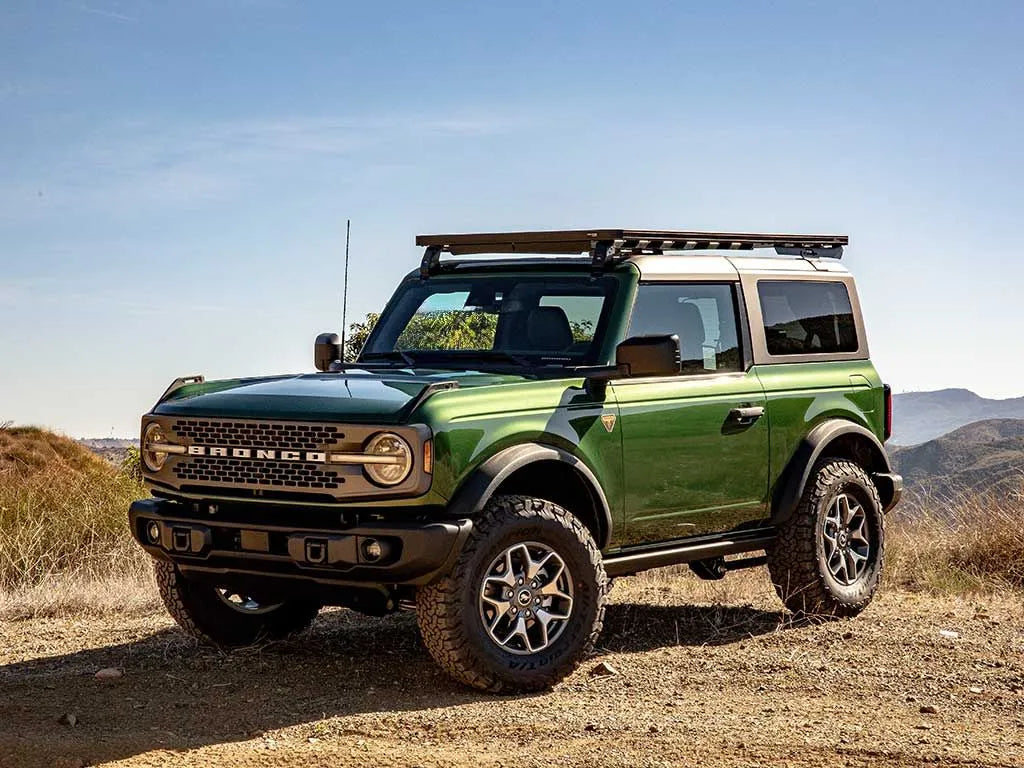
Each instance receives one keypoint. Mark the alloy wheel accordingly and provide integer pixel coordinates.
(847, 539)
(526, 598)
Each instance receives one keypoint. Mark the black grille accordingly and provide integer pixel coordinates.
(281, 435)
(284, 474)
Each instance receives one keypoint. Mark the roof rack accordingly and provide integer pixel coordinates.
(606, 246)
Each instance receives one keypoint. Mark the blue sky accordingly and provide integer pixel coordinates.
(176, 176)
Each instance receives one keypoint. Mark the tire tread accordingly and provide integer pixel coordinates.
(437, 605)
(183, 603)
(793, 560)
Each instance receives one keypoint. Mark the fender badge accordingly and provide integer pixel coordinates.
(608, 419)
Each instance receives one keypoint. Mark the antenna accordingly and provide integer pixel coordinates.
(344, 294)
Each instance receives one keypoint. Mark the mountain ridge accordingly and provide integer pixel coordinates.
(983, 458)
(922, 416)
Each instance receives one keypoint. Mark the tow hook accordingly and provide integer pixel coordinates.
(192, 540)
(316, 551)
(181, 539)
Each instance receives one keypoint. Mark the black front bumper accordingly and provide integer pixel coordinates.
(410, 553)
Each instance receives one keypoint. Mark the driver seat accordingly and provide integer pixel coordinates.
(548, 329)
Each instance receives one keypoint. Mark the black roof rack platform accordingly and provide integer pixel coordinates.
(608, 245)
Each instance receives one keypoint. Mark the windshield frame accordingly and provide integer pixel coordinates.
(619, 289)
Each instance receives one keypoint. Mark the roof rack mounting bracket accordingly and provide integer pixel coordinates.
(431, 263)
(815, 252)
(602, 255)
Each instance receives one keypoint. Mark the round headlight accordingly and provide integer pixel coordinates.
(153, 459)
(396, 459)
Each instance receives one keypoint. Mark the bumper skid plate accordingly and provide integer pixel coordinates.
(384, 553)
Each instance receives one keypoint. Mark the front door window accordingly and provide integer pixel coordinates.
(702, 315)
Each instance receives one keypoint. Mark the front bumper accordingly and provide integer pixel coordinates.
(410, 553)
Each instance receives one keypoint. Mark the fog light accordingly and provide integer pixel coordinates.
(372, 550)
(153, 530)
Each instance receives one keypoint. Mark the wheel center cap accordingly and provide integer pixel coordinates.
(843, 539)
(524, 597)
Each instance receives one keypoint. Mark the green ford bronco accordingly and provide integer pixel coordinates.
(518, 429)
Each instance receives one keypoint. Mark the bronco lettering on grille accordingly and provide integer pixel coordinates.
(267, 454)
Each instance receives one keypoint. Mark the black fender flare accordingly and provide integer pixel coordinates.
(794, 480)
(474, 493)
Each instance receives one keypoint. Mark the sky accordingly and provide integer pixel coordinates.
(175, 177)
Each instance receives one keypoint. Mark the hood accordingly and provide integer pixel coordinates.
(353, 396)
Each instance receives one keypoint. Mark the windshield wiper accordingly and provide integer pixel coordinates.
(458, 359)
(393, 354)
(498, 355)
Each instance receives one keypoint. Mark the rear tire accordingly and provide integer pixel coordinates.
(222, 617)
(524, 602)
(827, 559)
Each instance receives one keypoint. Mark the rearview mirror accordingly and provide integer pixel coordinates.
(648, 356)
(326, 350)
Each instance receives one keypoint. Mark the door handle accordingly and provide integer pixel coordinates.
(747, 414)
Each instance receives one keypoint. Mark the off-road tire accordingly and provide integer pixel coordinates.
(796, 561)
(201, 612)
(448, 610)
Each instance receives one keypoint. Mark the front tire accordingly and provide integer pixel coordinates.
(827, 559)
(524, 602)
(224, 617)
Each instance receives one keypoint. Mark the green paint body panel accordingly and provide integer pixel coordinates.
(687, 469)
(362, 398)
(672, 464)
(472, 425)
(802, 395)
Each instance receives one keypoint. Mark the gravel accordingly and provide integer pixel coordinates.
(716, 678)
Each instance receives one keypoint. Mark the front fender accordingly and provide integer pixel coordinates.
(476, 491)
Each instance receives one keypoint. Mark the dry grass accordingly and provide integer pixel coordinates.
(63, 519)
(63, 595)
(960, 545)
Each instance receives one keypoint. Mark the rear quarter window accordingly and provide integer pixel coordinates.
(807, 317)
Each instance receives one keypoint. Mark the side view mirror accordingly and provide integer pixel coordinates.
(648, 356)
(326, 350)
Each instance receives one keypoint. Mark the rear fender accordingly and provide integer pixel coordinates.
(842, 439)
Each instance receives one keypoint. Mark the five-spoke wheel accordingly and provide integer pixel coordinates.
(526, 598)
(847, 539)
(524, 602)
(827, 557)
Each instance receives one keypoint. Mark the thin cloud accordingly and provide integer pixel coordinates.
(105, 13)
(138, 165)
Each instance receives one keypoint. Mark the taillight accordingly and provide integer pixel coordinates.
(888, 411)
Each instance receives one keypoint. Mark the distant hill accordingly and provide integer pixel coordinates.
(986, 457)
(62, 508)
(110, 448)
(922, 416)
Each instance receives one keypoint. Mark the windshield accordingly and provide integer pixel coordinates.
(523, 319)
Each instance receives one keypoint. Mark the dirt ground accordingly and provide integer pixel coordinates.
(914, 680)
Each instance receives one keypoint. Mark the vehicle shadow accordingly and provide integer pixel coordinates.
(177, 695)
